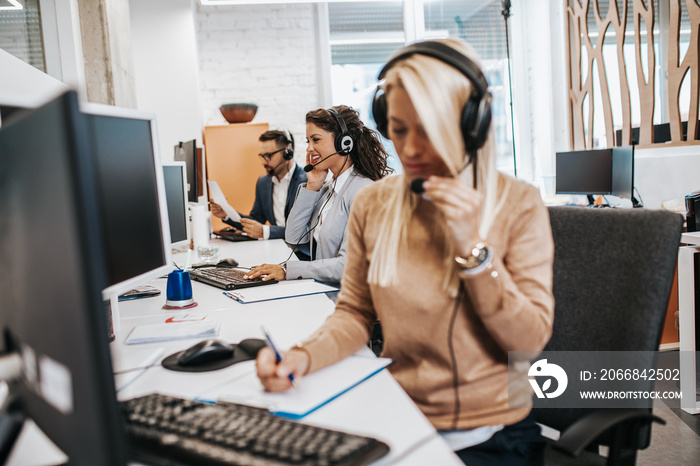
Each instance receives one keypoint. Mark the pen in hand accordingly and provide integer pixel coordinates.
(278, 356)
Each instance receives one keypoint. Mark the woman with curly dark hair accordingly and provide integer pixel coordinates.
(339, 143)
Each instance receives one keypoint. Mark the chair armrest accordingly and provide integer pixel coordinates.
(579, 435)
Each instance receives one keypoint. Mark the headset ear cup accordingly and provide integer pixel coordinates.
(379, 112)
(288, 154)
(475, 126)
(469, 113)
(344, 143)
(485, 120)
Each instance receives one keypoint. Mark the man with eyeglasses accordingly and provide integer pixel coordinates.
(275, 192)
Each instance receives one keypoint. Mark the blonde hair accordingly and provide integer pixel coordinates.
(438, 92)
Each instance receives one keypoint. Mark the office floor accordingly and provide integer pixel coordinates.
(677, 442)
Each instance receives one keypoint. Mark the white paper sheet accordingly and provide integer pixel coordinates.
(284, 289)
(173, 331)
(312, 392)
(218, 196)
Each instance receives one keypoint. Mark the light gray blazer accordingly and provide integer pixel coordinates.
(330, 250)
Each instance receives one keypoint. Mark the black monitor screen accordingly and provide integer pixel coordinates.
(9, 111)
(129, 198)
(51, 310)
(174, 177)
(623, 171)
(187, 152)
(584, 172)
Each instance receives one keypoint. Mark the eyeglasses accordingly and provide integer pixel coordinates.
(268, 156)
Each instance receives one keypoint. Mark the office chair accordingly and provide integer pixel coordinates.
(613, 270)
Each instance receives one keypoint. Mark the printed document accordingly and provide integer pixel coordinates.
(218, 196)
(285, 289)
(312, 392)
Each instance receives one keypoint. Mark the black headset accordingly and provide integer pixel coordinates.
(288, 153)
(476, 114)
(344, 142)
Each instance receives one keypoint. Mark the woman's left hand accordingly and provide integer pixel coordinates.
(461, 206)
(268, 271)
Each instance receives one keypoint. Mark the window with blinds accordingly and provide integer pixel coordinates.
(363, 35)
(480, 23)
(20, 32)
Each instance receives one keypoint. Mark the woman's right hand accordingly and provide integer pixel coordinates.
(316, 177)
(275, 376)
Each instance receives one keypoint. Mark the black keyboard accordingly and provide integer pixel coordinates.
(168, 430)
(235, 235)
(227, 278)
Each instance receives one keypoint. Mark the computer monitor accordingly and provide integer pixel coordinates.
(133, 207)
(12, 105)
(8, 111)
(623, 172)
(187, 152)
(662, 133)
(584, 172)
(51, 312)
(175, 178)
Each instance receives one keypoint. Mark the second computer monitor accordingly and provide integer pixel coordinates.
(187, 152)
(598, 171)
(175, 178)
(132, 196)
(623, 172)
(584, 172)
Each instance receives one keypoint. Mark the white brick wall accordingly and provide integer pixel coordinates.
(263, 54)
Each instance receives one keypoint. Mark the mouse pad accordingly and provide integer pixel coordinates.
(246, 350)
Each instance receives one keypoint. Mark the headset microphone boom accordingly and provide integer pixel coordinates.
(311, 166)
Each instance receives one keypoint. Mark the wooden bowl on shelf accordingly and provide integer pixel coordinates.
(238, 112)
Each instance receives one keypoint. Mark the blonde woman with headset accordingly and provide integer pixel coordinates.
(454, 258)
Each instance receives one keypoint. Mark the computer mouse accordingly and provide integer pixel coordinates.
(227, 263)
(204, 352)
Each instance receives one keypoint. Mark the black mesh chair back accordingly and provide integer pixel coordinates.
(613, 272)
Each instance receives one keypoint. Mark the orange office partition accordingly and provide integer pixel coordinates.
(669, 335)
(232, 161)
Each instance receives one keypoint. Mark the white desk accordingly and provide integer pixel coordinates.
(686, 320)
(378, 407)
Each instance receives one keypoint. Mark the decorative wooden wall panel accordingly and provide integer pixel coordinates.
(582, 76)
(678, 70)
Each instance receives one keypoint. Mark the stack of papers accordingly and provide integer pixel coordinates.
(312, 391)
(172, 331)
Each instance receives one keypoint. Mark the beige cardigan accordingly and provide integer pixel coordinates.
(512, 312)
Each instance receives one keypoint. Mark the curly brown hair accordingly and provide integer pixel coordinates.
(368, 154)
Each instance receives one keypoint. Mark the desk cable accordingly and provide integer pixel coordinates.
(453, 358)
(139, 371)
(398, 459)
